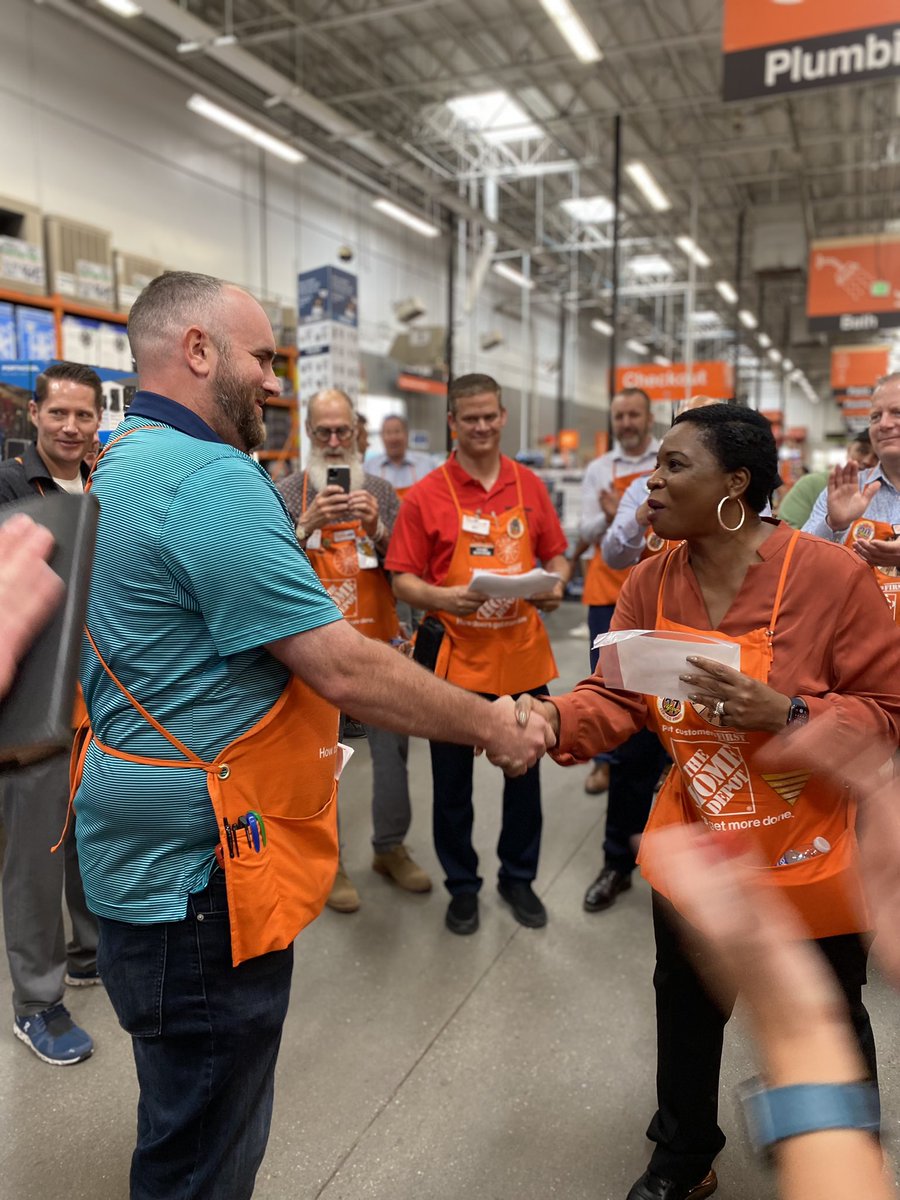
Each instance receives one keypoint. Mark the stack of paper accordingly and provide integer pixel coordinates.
(651, 661)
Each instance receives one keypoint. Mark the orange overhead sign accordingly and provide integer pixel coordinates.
(853, 284)
(776, 46)
(856, 369)
(420, 383)
(713, 379)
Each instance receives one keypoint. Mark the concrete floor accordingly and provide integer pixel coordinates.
(416, 1065)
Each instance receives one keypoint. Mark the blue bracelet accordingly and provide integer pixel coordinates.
(774, 1114)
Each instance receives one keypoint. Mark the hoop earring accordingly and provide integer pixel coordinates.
(730, 528)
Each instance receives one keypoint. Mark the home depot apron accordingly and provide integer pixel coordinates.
(887, 578)
(283, 768)
(715, 781)
(345, 560)
(602, 583)
(502, 648)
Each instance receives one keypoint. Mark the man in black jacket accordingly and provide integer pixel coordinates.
(65, 412)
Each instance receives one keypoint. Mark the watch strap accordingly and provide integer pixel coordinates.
(774, 1114)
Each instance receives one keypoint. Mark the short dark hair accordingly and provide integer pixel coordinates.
(472, 385)
(633, 391)
(72, 373)
(739, 437)
(863, 438)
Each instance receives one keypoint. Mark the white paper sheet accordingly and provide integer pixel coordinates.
(650, 660)
(343, 756)
(521, 587)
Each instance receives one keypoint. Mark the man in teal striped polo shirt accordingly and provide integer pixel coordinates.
(202, 605)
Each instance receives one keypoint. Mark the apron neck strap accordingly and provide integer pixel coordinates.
(782, 580)
(662, 581)
(109, 445)
(455, 498)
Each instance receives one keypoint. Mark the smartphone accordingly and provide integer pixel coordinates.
(339, 476)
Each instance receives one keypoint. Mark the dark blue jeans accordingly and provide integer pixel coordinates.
(205, 1037)
(453, 815)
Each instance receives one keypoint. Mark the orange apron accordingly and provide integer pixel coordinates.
(716, 782)
(503, 648)
(888, 582)
(283, 768)
(348, 568)
(602, 583)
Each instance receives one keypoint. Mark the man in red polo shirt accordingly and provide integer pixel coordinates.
(481, 511)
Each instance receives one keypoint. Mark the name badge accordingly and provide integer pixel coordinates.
(479, 525)
(481, 551)
(366, 554)
(344, 535)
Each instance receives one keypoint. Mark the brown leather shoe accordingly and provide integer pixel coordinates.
(603, 891)
(653, 1187)
(396, 864)
(344, 897)
(598, 780)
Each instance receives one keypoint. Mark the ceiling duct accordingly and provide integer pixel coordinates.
(778, 239)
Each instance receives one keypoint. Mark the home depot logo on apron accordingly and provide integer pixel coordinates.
(344, 558)
(503, 648)
(715, 781)
(602, 583)
(887, 578)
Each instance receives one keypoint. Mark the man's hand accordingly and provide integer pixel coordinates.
(548, 601)
(642, 514)
(330, 507)
(609, 502)
(29, 590)
(878, 553)
(460, 602)
(846, 503)
(364, 507)
(520, 738)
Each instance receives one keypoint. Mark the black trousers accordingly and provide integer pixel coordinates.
(633, 771)
(690, 1026)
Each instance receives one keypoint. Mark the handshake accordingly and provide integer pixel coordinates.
(523, 731)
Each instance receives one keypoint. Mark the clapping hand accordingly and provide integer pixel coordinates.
(846, 503)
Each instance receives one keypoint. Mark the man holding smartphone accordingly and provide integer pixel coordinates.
(344, 518)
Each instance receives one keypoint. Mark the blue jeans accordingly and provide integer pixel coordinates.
(205, 1037)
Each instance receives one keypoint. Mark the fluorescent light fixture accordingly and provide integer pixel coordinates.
(188, 47)
(692, 250)
(747, 319)
(726, 291)
(706, 316)
(787, 365)
(644, 181)
(229, 120)
(603, 327)
(662, 361)
(225, 39)
(573, 29)
(496, 116)
(514, 276)
(405, 217)
(765, 341)
(650, 265)
(774, 355)
(123, 8)
(636, 346)
(595, 210)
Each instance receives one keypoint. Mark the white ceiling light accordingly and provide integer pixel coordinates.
(726, 291)
(706, 316)
(405, 217)
(765, 341)
(496, 116)
(650, 265)
(229, 120)
(692, 250)
(774, 355)
(188, 47)
(644, 181)
(513, 275)
(589, 209)
(602, 327)
(787, 365)
(747, 319)
(636, 346)
(123, 8)
(662, 361)
(225, 39)
(573, 29)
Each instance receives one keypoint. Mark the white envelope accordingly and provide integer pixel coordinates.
(520, 587)
(651, 660)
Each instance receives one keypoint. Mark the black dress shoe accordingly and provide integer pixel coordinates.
(603, 891)
(527, 907)
(462, 913)
(653, 1187)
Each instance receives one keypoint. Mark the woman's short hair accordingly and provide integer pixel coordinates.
(739, 437)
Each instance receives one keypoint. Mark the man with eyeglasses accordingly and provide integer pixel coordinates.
(65, 412)
(345, 534)
(481, 511)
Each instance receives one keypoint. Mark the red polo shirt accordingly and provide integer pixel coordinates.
(425, 534)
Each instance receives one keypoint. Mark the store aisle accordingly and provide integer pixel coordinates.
(511, 1065)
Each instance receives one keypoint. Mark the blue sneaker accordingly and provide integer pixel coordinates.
(83, 978)
(54, 1036)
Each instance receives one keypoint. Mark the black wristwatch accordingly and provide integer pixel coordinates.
(799, 713)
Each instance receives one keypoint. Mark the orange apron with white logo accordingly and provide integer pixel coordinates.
(603, 583)
(887, 579)
(283, 768)
(502, 648)
(362, 593)
(715, 781)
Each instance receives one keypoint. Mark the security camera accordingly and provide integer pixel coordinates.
(345, 253)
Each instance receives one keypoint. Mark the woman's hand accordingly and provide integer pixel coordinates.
(527, 703)
(746, 703)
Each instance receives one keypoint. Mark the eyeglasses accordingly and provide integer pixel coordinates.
(323, 434)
